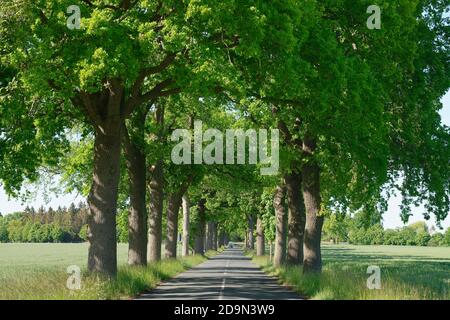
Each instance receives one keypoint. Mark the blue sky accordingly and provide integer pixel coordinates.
(391, 217)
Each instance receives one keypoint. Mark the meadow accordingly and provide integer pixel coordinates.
(38, 271)
(406, 273)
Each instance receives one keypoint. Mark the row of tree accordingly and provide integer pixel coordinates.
(357, 110)
(69, 225)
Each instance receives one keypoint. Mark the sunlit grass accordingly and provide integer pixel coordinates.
(42, 275)
(406, 273)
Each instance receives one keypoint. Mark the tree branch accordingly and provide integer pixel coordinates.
(89, 109)
(43, 17)
(106, 6)
(149, 71)
(298, 143)
(154, 93)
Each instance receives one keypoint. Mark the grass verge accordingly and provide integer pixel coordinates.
(50, 284)
(348, 281)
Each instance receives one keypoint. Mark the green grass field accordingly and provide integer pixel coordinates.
(406, 273)
(38, 271)
(25, 257)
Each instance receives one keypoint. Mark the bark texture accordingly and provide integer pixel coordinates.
(250, 232)
(221, 239)
(312, 261)
(186, 221)
(102, 256)
(137, 218)
(209, 236)
(296, 220)
(281, 221)
(155, 213)
(104, 112)
(156, 191)
(173, 207)
(199, 246)
(214, 247)
(260, 239)
(226, 239)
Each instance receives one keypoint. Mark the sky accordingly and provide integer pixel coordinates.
(391, 218)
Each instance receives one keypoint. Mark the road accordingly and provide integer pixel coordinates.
(230, 275)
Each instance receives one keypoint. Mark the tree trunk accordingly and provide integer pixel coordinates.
(200, 235)
(209, 235)
(296, 220)
(281, 219)
(156, 196)
(260, 239)
(311, 193)
(137, 224)
(173, 207)
(155, 213)
(226, 239)
(270, 250)
(221, 239)
(214, 247)
(174, 202)
(102, 256)
(250, 231)
(186, 213)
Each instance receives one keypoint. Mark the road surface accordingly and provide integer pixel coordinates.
(229, 276)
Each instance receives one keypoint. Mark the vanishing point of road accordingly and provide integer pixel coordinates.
(230, 275)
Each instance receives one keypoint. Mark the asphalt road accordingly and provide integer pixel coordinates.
(229, 276)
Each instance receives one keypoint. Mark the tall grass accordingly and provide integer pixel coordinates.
(347, 281)
(48, 283)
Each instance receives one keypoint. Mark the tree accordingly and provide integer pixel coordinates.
(446, 240)
(419, 226)
(199, 246)
(336, 227)
(422, 238)
(312, 261)
(281, 224)
(102, 83)
(83, 233)
(174, 202)
(260, 237)
(132, 53)
(186, 224)
(436, 240)
(137, 173)
(3, 230)
(296, 218)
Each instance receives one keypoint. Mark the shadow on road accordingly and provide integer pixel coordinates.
(230, 275)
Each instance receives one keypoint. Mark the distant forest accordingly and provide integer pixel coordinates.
(45, 225)
(70, 225)
(53, 225)
(360, 230)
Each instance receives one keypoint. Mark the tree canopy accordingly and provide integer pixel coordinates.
(356, 108)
